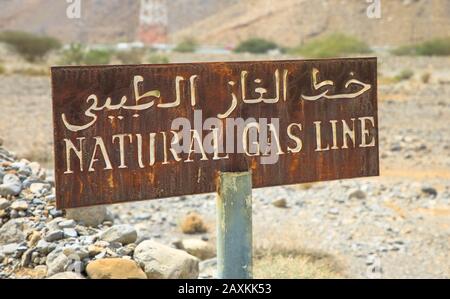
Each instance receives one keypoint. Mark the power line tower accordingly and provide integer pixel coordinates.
(153, 21)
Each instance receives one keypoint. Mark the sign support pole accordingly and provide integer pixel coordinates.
(234, 225)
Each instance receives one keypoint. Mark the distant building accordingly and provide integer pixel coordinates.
(153, 21)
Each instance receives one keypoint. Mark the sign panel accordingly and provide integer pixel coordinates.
(127, 133)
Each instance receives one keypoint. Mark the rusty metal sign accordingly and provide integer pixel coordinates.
(127, 133)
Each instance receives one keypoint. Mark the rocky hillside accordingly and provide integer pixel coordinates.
(225, 22)
(101, 20)
(291, 22)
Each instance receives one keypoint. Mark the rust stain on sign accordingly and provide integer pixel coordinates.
(120, 132)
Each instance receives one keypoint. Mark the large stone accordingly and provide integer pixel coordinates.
(11, 185)
(124, 234)
(43, 246)
(4, 204)
(9, 249)
(198, 248)
(12, 232)
(208, 268)
(53, 236)
(67, 223)
(70, 233)
(163, 262)
(38, 188)
(67, 275)
(56, 262)
(19, 205)
(114, 268)
(76, 251)
(35, 168)
(90, 216)
(22, 167)
(54, 224)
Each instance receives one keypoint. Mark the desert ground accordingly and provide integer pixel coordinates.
(393, 226)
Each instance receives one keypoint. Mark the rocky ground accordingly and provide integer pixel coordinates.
(393, 226)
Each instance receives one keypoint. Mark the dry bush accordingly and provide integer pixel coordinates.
(158, 59)
(30, 46)
(305, 186)
(425, 78)
(434, 47)
(256, 46)
(404, 75)
(133, 56)
(193, 224)
(187, 45)
(333, 45)
(282, 262)
(283, 252)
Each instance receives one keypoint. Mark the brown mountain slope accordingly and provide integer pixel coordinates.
(290, 22)
(101, 20)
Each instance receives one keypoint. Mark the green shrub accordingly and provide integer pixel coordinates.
(158, 59)
(78, 54)
(405, 51)
(31, 47)
(333, 45)
(97, 57)
(434, 47)
(133, 56)
(188, 45)
(74, 55)
(256, 46)
(404, 75)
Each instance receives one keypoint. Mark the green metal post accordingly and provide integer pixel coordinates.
(234, 225)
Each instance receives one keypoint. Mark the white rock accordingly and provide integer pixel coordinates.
(37, 188)
(56, 262)
(67, 223)
(9, 249)
(54, 224)
(4, 204)
(198, 248)
(55, 235)
(36, 170)
(90, 216)
(11, 185)
(70, 233)
(12, 232)
(42, 246)
(19, 205)
(163, 262)
(76, 252)
(124, 234)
